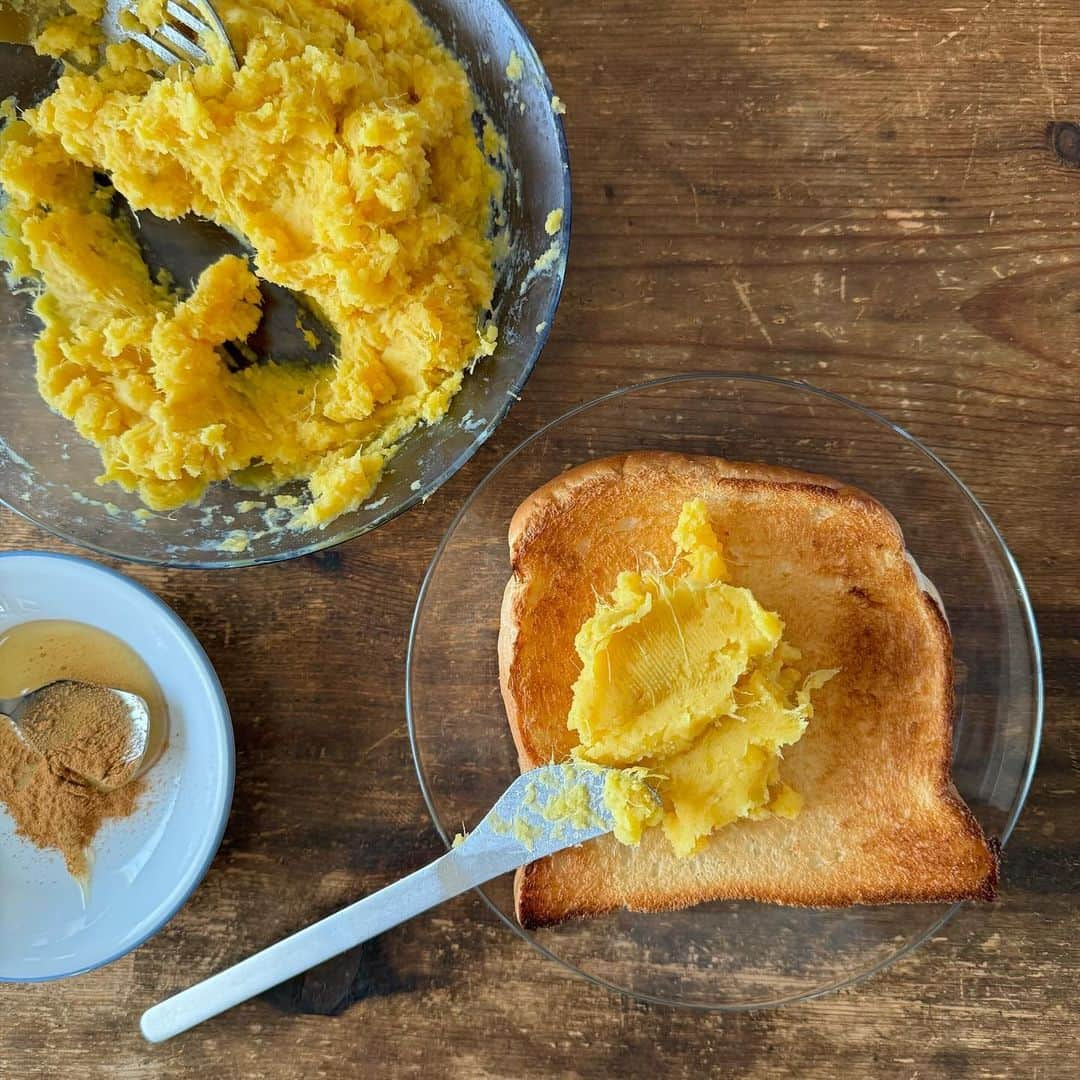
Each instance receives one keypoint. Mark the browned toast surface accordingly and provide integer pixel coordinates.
(881, 821)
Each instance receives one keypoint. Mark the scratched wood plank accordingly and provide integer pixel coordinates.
(860, 195)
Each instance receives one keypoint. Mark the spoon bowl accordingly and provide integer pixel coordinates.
(61, 719)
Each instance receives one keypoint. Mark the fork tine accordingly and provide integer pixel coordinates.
(189, 19)
(210, 16)
(180, 38)
(192, 51)
(163, 53)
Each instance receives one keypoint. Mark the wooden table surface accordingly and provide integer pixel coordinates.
(863, 195)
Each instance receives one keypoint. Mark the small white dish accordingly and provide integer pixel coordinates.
(145, 866)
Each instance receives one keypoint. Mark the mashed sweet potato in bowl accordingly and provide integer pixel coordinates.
(403, 199)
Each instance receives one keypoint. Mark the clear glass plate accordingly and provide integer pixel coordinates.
(728, 956)
(47, 472)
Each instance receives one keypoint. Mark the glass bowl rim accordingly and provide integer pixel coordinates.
(1027, 612)
(322, 541)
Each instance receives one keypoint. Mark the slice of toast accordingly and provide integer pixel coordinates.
(881, 822)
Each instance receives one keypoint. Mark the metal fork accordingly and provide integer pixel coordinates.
(178, 39)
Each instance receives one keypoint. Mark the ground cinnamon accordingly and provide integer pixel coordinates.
(84, 732)
(50, 806)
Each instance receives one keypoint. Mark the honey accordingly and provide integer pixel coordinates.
(39, 652)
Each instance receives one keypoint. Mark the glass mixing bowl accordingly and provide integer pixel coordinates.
(47, 472)
(728, 956)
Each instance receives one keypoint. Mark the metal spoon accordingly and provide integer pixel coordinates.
(27, 715)
(514, 832)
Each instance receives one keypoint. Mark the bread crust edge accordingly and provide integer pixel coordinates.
(532, 516)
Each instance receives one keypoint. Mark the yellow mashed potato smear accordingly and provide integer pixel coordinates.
(343, 153)
(58, 28)
(686, 679)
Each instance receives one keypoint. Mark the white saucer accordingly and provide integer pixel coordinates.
(145, 866)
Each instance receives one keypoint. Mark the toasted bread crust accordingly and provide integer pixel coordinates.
(831, 560)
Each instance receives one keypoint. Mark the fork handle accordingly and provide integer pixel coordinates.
(444, 878)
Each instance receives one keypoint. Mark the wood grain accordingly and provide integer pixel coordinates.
(861, 195)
